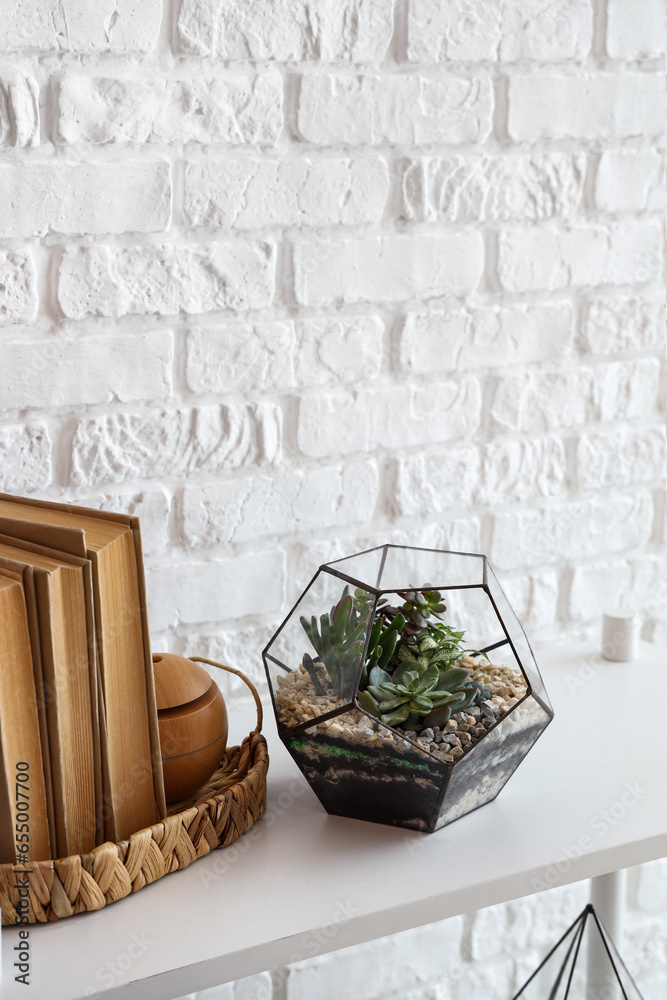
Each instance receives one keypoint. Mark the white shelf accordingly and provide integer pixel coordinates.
(592, 788)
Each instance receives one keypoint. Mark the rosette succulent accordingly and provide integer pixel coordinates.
(415, 692)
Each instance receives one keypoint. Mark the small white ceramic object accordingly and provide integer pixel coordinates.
(620, 634)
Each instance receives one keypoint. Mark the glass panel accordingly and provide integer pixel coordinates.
(518, 637)
(594, 976)
(551, 980)
(415, 569)
(481, 773)
(471, 611)
(364, 566)
(312, 666)
(357, 767)
(627, 982)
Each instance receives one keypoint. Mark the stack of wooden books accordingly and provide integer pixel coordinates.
(79, 745)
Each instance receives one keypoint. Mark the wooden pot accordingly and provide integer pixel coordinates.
(192, 720)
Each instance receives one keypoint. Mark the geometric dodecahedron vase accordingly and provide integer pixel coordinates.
(584, 965)
(358, 766)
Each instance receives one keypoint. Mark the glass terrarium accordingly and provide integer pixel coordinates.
(404, 686)
(584, 965)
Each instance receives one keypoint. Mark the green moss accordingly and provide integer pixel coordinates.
(300, 743)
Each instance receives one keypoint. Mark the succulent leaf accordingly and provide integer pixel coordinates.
(380, 676)
(438, 717)
(366, 701)
(312, 673)
(395, 718)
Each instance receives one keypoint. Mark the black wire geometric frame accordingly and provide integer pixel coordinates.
(584, 965)
(362, 768)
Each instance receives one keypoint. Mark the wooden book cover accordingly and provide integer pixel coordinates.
(68, 694)
(20, 741)
(7, 842)
(67, 542)
(113, 544)
(18, 570)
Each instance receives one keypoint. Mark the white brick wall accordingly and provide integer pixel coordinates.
(289, 278)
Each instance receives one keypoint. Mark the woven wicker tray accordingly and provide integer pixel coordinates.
(225, 808)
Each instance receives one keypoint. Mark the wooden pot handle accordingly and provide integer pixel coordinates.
(253, 689)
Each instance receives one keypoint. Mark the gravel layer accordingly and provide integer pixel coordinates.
(298, 703)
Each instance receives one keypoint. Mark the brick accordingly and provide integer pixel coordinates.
(497, 337)
(288, 30)
(76, 26)
(604, 106)
(227, 108)
(651, 892)
(341, 423)
(191, 593)
(612, 325)
(334, 351)
(155, 444)
(635, 31)
(66, 371)
(78, 198)
(390, 269)
(629, 181)
(546, 400)
(586, 527)
(252, 194)
(238, 647)
(397, 109)
(152, 507)
(503, 471)
(524, 923)
(241, 357)
(494, 980)
(458, 534)
(522, 469)
(625, 253)
(516, 29)
(283, 354)
(599, 586)
(492, 188)
(620, 457)
(429, 483)
(400, 963)
(19, 108)
(310, 555)
(25, 458)
(534, 598)
(18, 287)
(240, 510)
(115, 281)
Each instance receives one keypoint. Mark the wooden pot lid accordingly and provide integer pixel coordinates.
(178, 680)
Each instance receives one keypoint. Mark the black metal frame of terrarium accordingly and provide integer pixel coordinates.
(583, 964)
(386, 775)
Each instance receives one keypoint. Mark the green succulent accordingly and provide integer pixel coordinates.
(420, 605)
(438, 645)
(409, 676)
(442, 646)
(416, 692)
(338, 639)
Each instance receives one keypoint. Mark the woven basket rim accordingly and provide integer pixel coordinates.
(214, 818)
